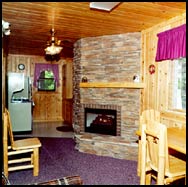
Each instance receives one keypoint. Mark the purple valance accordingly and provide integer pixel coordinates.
(42, 67)
(171, 44)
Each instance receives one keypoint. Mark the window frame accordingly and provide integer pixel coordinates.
(43, 78)
(172, 81)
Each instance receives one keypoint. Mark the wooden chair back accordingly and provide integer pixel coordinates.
(8, 126)
(145, 118)
(149, 115)
(155, 155)
(154, 145)
(18, 147)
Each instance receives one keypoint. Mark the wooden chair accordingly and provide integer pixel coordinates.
(147, 115)
(20, 148)
(155, 160)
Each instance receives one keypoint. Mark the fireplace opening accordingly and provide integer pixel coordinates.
(102, 121)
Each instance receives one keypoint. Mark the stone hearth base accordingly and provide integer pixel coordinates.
(106, 145)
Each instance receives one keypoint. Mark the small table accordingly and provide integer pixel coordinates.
(177, 139)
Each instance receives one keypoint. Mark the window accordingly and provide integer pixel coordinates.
(177, 91)
(46, 81)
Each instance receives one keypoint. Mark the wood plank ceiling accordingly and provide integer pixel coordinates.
(31, 22)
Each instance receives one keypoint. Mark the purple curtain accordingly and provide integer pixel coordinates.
(41, 67)
(171, 44)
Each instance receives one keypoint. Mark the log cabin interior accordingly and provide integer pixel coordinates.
(102, 52)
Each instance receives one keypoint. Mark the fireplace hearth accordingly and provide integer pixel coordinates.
(101, 121)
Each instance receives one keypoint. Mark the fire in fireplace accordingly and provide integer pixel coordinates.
(102, 121)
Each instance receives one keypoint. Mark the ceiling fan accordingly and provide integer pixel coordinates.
(55, 46)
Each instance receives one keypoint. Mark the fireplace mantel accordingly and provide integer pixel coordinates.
(112, 85)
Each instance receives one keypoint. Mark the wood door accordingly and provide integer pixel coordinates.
(67, 101)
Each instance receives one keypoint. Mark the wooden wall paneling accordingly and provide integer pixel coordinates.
(143, 73)
(3, 82)
(43, 106)
(53, 107)
(172, 79)
(69, 80)
(155, 93)
(158, 86)
(50, 109)
(59, 107)
(48, 105)
(67, 111)
(153, 42)
(146, 75)
(40, 107)
(15, 60)
(173, 118)
(163, 86)
(35, 107)
(151, 77)
(67, 92)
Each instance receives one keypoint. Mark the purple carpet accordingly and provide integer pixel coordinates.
(59, 158)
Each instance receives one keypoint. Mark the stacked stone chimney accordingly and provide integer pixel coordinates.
(111, 58)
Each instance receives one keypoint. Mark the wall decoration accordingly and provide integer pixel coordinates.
(152, 68)
(84, 79)
(21, 66)
(136, 78)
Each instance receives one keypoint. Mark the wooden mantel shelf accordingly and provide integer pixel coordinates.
(112, 85)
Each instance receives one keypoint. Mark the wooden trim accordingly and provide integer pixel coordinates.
(111, 85)
(20, 167)
(176, 116)
(19, 160)
(19, 151)
(60, 119)
(163, 24)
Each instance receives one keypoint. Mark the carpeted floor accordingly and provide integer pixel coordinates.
(59, 158)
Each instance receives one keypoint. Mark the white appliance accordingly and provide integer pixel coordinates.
(19, 101)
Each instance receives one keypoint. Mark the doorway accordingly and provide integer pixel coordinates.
(67, 93)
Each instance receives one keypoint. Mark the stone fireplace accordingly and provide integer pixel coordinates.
(107, 59)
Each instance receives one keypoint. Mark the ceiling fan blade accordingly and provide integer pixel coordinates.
(66, 43)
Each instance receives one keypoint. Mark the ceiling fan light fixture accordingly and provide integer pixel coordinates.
(53, 50)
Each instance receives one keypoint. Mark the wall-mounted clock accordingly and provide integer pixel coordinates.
(21, 66)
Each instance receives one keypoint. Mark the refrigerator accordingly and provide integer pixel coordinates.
(19, 101)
